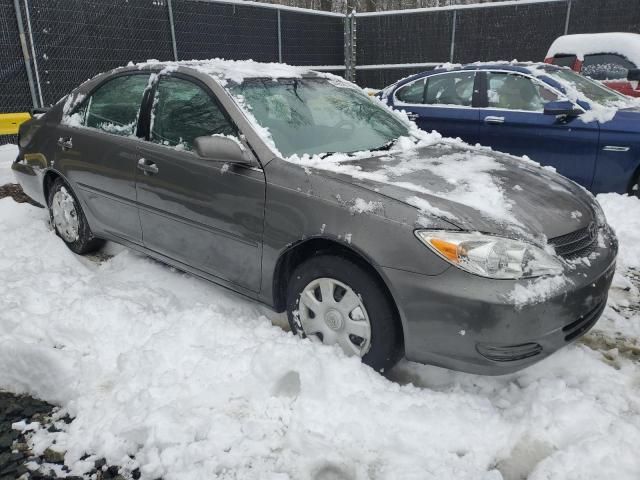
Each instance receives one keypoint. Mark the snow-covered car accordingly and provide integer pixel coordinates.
(612, 58)
(298, 190)
(586, 131)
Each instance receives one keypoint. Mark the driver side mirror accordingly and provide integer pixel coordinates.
(562, 107)
(633, 75)
(226, 149)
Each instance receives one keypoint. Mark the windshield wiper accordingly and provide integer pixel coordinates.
(385, 146)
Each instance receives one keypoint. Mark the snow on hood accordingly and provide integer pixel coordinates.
(625, 44)
(473, 188)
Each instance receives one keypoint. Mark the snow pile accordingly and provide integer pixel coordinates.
(623, 213)
(195, 383)
(625, 44)
(8, 154)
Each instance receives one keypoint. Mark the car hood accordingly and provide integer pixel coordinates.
(474, 188)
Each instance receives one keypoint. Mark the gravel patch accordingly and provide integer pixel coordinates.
(15, 191)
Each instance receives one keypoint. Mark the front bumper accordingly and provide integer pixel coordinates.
(465, 322)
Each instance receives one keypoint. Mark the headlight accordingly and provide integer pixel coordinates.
(490, 256)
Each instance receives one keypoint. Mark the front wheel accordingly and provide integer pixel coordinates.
(69, 221)
(338, 302)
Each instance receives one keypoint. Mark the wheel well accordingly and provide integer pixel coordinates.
(302, 251)
(49, 178)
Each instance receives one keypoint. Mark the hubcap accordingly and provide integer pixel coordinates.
(331, 311)
(65, 217)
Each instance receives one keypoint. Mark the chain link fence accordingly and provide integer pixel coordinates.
(69, 41)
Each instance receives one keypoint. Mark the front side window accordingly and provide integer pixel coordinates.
(316, 115)
(114, 107)
(606, 66)
(515, 92)
(183, 111)
(412, 93)
(455, 88)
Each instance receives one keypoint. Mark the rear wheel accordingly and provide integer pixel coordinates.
(338, 302)
(69, 221)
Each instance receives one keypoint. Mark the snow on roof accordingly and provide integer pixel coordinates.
(625, 44)
(234, 70)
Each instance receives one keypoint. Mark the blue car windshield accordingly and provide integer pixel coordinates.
(318, 115)
(592, 90)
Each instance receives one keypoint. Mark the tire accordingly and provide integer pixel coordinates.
(383, 348)
(65, 211)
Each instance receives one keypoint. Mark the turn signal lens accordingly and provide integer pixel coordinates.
(446, 249)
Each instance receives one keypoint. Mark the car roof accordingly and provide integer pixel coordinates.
(535, 68)
(227, 70)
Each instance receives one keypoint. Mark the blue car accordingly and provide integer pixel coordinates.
(586, 131)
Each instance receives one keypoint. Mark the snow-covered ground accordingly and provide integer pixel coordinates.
(196, 382)
(8, 154)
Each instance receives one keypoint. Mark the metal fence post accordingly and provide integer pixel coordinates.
(25, 53)
(452, 48)
(173, 30)
(350, 46)
(279, 38)
(33, 52)
(567, 18)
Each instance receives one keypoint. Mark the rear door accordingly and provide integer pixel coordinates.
(97, 151)
(443, 102)
(514, 122)
(207, 214)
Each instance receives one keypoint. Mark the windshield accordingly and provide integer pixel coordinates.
(314, 115)
(592, 90)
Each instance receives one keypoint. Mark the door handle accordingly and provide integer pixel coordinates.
(494, 120)
(65, 143)
(148, 167)
(412, 116)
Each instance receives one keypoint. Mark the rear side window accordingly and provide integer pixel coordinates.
(412, 93)
(114, 107)
(183, 111)
(454, 88)
(606, 66)
(565, 60)
(515, 92)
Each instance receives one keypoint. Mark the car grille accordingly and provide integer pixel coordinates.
(576, 244)
(584, 323)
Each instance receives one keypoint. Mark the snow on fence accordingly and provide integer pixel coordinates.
(48, 47)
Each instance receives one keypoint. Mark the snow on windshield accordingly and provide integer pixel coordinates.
(603, 101)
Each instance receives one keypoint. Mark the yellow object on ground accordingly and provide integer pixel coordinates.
(10, 122)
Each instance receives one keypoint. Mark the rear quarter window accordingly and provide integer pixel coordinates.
(565, 60)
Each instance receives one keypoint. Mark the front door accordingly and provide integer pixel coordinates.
(514, 122)
(97, 151)
(205, 213)
(443, 102)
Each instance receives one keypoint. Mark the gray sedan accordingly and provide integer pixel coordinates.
(296, 189)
